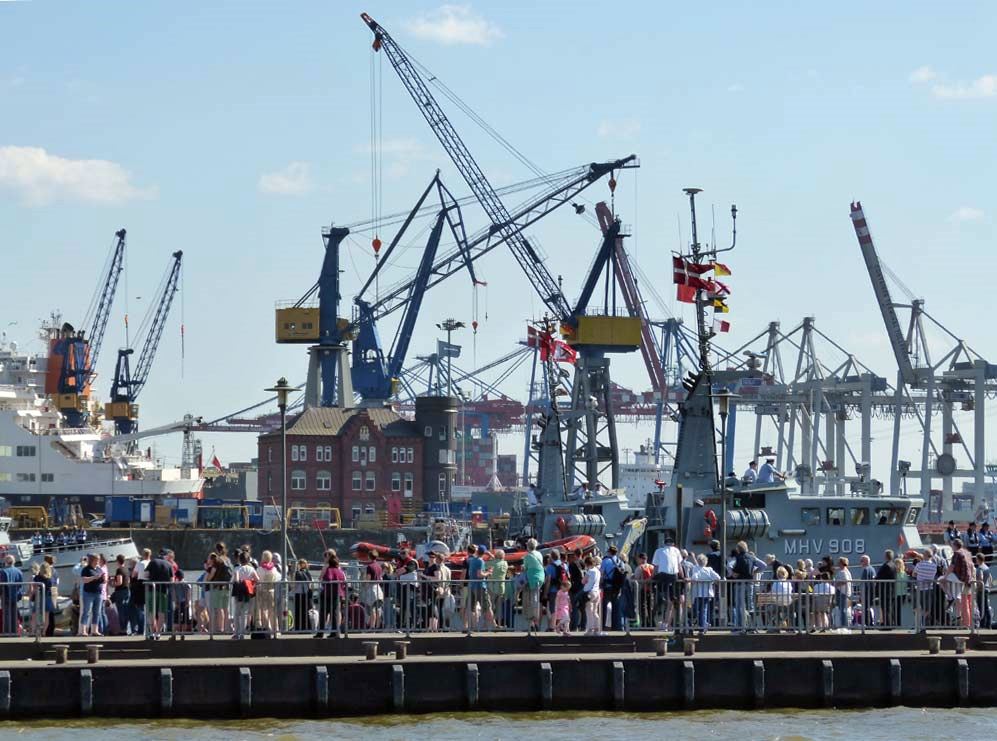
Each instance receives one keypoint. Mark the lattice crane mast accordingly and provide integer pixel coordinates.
(127, 384)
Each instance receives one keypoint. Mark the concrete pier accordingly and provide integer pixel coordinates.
(305, 677)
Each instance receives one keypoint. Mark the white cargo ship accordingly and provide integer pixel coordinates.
(45, 463)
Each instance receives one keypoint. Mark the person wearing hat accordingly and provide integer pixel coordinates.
(767, 473)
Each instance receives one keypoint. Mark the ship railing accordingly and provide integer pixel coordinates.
(82, 546)
(811, 605)
(429, 606)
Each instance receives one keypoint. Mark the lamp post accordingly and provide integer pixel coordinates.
(282, 389)
(449, 326)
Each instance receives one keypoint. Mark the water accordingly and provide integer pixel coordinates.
(792, 725)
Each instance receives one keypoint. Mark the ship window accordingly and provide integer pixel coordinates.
(835, 515)
(912, 514)
(25, 477)
(48, 477)
(25, 451)
(810, 516)
(882, 515)
(6, 451)
(859, 515)
(4, 476)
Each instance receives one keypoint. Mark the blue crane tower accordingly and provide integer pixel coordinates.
(128, 384)
(73, 355)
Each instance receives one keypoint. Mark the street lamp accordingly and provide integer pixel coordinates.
(449, 326)
(282, 389)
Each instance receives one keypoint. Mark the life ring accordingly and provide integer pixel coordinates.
(711, 519)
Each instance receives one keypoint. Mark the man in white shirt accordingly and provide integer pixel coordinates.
(667, 563)
(751, 474)
(531, 496)
(767, 473)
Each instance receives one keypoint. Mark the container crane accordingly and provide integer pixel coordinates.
(127, 385)
(73, 355)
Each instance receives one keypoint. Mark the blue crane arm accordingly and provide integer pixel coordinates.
(606, 252)
(105, 300)
(530, 262)
(155, 332)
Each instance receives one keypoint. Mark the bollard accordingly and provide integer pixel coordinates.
(689, 646)
(401, 649)
(660, 646)
(960, 644)
(934, 644)
(93, 652)
(370, 649)
(61, 653)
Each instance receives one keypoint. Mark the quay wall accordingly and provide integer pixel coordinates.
(329, 687)
(192, 545)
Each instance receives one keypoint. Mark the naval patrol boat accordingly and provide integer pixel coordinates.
(771, 518)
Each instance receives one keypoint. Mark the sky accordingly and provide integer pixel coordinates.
(235, 131)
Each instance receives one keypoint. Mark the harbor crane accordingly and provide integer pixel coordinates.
(73, 355)
(127, 385)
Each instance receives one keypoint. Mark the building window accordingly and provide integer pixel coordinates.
(443, 432)
(298, 480)
(408, 484)
(365, 433)
(394, 455)
(49, 477)
(429, 431)
(443, 483)
(411, 455)
(25, 451)
(356, 453)
(371, 481)
(294, 453)
(447, 457)
(323, 481)
(269, 455)
(303, 453)
(368, 509)
(396, 482)
(269, 482)
(363, 456)
(328, 453)
(372, 456)
(357, 481)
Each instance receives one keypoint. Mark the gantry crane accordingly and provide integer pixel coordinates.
(73, 355)
(127, 385)
(590, 415)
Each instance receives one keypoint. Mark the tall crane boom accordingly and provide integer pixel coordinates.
(105, 299)
(127, 385)
(887, 308)
(528, 259)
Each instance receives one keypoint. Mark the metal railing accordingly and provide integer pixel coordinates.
(23, 609)
(461, 606)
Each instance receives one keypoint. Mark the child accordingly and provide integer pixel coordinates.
(562, 609)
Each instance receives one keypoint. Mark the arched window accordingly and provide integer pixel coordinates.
(298, 480)
(323, 481)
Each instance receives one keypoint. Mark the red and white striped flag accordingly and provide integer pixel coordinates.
(687, 273)
(719, 325)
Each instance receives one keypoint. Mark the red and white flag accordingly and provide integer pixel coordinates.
(719, 325)
(685, 294)
(564, 353)
(687, 273)
(216, 463)
(531, 336)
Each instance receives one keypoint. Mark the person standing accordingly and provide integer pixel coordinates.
(983, 582)
(533, 567)
(43, 580)
(986, 540)
(373, 591)
(243, 594)
(495, 575)
(90, 578)
(886, 579)
(302, 596)
(576, 577)
(843, 592)
(867, 575)
(475, 586)
(333, 597)
(667, 563)
(613, 578)
(138, 589)
(121, 596)
(13, 589)
(593, 599)
(963, 568)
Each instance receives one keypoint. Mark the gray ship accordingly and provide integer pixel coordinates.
(772, 518)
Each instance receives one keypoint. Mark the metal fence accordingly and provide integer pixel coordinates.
(24, 609)
(460, 606)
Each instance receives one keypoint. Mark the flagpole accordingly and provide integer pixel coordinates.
(704, 338)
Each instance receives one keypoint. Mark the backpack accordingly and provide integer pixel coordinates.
(618, 579)
(561, 575)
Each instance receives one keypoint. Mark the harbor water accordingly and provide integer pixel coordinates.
(872, 725)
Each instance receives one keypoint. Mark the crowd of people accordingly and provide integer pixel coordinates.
(481, 590)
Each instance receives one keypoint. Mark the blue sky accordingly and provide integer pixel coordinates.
(235, 131)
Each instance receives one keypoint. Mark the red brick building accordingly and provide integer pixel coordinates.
(351, 459)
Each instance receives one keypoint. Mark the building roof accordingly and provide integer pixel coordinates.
(333, 420)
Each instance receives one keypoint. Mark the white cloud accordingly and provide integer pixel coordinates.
(40, 177)
(965, 213)
(923, 74)
(982, 87)
(626, 128)
(455, 24)
(293, 180)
